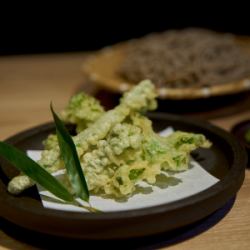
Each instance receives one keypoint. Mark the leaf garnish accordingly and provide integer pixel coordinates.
(70, 159)
(33, 170)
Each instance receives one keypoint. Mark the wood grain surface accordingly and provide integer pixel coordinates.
(29, 83)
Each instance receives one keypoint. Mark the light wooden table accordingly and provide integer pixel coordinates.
(29, 83)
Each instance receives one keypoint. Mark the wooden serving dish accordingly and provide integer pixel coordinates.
(226, 160)
(102, 67)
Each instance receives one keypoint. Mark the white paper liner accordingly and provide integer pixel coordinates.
(178, 186)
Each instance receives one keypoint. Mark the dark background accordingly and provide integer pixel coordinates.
(92, 27)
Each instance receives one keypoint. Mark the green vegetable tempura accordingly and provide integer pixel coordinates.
(82, 110)
(118, 148)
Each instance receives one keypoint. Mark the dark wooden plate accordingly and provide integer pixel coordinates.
(226, 160)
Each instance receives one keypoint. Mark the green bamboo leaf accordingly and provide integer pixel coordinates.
(70, 158)
(33, 170)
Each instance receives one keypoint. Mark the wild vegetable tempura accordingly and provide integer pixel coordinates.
(118, 148)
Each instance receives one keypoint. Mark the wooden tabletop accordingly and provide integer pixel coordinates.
(29, 83)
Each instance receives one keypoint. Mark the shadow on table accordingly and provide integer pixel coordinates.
(149, 242)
